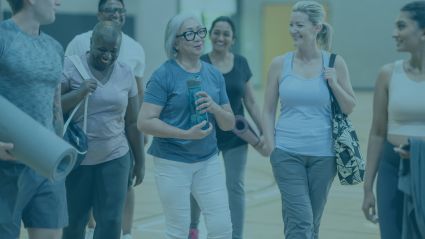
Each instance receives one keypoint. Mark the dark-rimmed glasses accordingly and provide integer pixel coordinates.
(112, 11)
(190, 35)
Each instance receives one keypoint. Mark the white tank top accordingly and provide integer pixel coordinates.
(406, 107)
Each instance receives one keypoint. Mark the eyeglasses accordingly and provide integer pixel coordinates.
(190, 35)
(112, 11)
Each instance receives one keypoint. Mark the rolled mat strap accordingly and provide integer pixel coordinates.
(34, 145)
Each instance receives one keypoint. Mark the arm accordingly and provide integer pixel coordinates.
(148, 122)
(224, 116)
(140, 88)
(252, 106)
(141, 92)
(135, 139)
(70, 98)
(339, 81)
(57, 112)
(270, 103)
(377, 136)
(223, 113)
(5, 151)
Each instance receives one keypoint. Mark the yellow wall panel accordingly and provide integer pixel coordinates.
(276, 39)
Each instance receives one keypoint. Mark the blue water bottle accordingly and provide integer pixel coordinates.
(196, 117)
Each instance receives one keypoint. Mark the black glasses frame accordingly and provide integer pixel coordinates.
(191, 35)
(111, 11)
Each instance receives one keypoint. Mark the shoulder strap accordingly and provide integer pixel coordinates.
(334, 102)
(76, 61)
(332, 60)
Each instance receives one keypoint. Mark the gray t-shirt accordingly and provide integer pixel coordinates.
(30, 70)
(167, 88)
(106, 110)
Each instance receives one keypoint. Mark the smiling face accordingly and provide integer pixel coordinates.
(112, 10)
(104, 50)
(302, 30)
(222, 36)
(190, 48)
(407, 34)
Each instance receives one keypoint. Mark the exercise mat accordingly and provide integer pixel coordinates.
(34, 145)
(244, 131)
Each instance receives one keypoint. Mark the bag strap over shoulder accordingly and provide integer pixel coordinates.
(331, 64)
(332, 60)
(76, 61)
(334, 102)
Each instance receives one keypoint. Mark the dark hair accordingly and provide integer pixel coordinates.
(16, 5)
(102, 2)
(224, 19)
(416, 11)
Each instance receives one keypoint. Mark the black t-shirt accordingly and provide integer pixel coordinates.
(236, 80)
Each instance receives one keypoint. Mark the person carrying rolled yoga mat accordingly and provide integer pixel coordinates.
(30, 69)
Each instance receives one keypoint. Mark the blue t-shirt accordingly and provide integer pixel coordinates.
(30, 71)
(167, 88)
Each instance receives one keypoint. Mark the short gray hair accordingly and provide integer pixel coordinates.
(171, 31)
(316, 14)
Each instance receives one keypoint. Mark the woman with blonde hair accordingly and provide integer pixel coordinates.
(301, 144)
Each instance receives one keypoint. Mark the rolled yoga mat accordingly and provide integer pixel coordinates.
(34, 145)
(244, 131)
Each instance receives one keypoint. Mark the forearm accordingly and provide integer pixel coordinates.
(159, 128)
(346, 101)
(71, 99)
(225, 119)
(372, 163)
(135, 139)
(140, 88)
(57, 113)
(254, 111)
(268, 123)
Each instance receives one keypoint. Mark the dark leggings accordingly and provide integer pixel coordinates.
(390, 199)
(102, 187)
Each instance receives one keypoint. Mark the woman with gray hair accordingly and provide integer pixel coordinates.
(184, 149)
(303, 157)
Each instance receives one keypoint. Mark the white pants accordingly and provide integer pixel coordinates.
(206, 181)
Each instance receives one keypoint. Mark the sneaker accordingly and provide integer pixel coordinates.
(89, 233)
(193, 233)
(127, 236)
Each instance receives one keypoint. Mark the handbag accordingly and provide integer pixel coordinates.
(73, 134)
(350, 163)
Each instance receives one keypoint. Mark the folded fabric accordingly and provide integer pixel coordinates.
(412, 184)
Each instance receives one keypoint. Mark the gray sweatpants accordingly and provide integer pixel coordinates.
(304, 183)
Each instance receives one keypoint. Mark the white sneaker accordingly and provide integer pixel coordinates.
(127, 236)
(89, 233)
